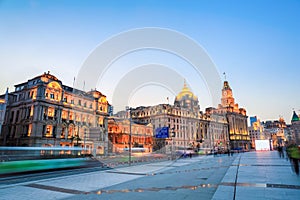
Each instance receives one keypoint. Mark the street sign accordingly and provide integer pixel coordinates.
(162, 132)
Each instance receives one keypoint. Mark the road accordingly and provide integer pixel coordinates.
(195, 178)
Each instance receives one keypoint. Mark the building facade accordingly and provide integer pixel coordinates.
(123, 132)
(257, 132)
(295, 128)
(276, 130)
(3, 102)
(237, 119)
(44, 112)
(189, 127)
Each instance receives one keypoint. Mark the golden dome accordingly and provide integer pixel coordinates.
(186, 92)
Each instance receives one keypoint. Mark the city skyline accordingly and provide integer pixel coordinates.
(257, 51)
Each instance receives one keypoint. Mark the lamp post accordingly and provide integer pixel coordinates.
(172, 140)
(84, 134)
(129, 109)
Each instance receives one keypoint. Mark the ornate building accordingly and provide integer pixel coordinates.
(257, 132)
(44, 112)
(276, 130)
(237, 119)
(3, 102)
(119, 135)
(295, 128)
(191, 128)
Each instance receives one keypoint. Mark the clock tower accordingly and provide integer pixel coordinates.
(227, 97)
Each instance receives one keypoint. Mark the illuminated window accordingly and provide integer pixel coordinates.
(71, 116)
(70, 132)
(63, 130)
(49, 131)
(64, 114)
(29, 129)
(50, 112)
(31, 111)
(77, 118)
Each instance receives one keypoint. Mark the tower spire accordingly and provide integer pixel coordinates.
(224, 74)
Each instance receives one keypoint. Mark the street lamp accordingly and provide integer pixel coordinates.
(172, 139)
(129, 109)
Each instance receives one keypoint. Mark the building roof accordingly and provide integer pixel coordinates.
(295, 117)
(226, 85)
(186, 92)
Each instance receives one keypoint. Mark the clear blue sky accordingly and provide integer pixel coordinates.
(257, 43)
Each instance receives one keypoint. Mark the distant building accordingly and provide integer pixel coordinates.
(3, 103)
(295, 127)
(44, 112)
(252, 120)
(276, 130)
(110, 110)
(237, 119)
(191, 128)
(120, 131)
(256, 132)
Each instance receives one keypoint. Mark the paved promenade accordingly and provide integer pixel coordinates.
(260, 176)
(253, 175)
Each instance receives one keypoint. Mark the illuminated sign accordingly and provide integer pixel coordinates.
(262, 145)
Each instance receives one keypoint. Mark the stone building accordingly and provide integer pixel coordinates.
(190, 128)
(121, 131)
(44, 112)
(236, 117)
(295, 128)
(3, 102)
(276, 131)
(257, 132)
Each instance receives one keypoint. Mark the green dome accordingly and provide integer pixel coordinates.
(295, 117)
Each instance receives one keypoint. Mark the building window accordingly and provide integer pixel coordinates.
(31, 111)
(17, 116)
(63, 130)
(52, 96)
(70, 133)
(79, 102)
(64, 114)
(50, 112)
(71, 116)
(49, 131)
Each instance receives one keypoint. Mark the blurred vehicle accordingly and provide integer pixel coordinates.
(204, 151)
(24, 159)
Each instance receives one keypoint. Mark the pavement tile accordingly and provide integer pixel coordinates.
(27, 193)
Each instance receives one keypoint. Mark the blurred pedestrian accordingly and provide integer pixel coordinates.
(294, 154)
(280, 151)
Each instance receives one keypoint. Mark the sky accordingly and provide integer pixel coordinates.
(257, 44)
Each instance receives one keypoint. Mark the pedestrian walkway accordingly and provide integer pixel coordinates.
(64, 187)
(252, 175)
(259, 175)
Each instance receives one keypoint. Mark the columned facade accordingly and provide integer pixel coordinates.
(191, 128)
(237, 120)
(44, 112)
(120, 137)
